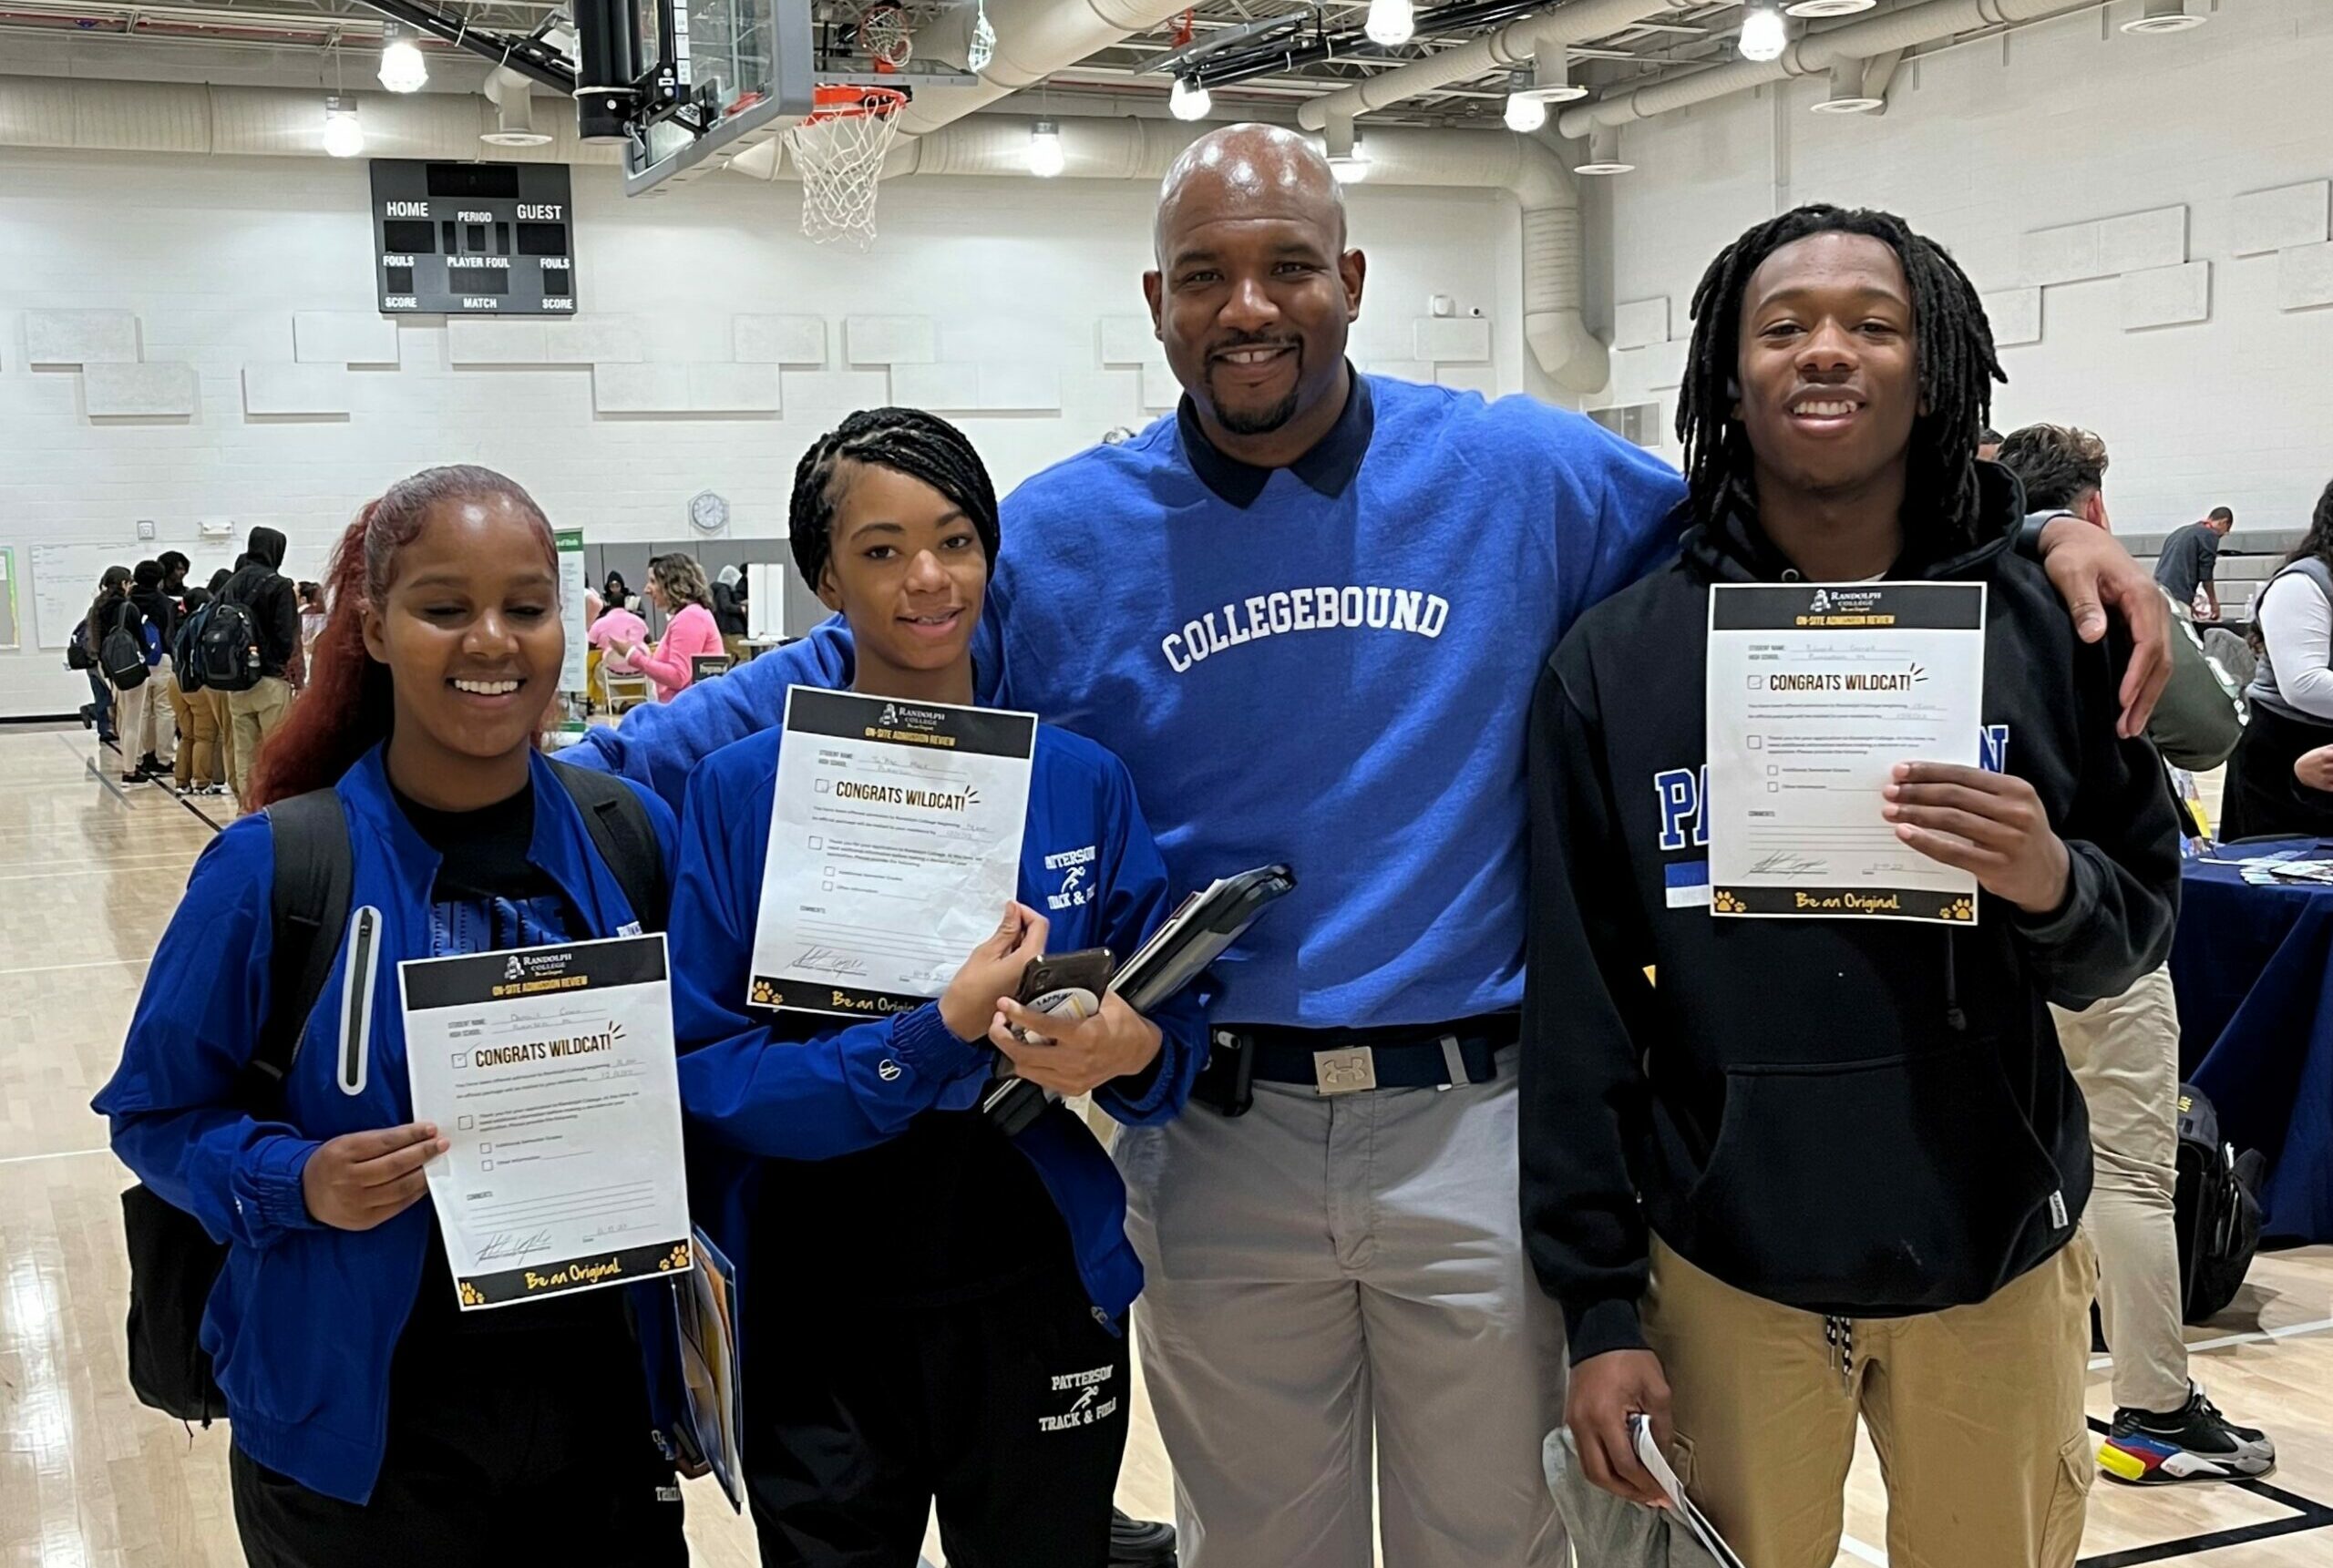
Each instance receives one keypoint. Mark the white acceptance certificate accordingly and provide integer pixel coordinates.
(551, 1072)
(1816, 691)
(894, 847)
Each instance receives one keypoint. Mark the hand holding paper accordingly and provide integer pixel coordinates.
(1991, 825)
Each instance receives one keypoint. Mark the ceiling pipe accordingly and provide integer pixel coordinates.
(165, 118)
(1035, 38)
(1814, 54)
(1513, 44)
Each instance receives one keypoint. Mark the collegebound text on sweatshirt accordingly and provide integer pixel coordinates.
(305, 1319)
(788, 1111)
(1860, 1117)
(1328, 664)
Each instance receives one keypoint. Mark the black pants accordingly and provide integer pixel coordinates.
(2263, 796)
(504, 1448)
(1009, 1410)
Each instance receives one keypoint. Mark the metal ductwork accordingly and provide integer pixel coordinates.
(1814, 54)
(1513, 44)
(1035, 38)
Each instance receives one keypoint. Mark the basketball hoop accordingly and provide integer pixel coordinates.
(839, 151)
(884, 37)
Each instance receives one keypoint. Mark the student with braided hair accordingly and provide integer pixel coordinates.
(975, 1353)
(1782, 1173)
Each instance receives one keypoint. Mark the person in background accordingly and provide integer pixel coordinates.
(2187, 560)
(2124, 1053)
(160, 614)
(175, 566)
(375, 1425)
(202, 749)
(2268, 790)
(979, 1358)
(260, 587)
(676, 586)
(222, 718)
(1774, 1226)
(614, 593)
(112, 611)
(1989, 444)
(616, 623)
(729, 611)
(312, 615)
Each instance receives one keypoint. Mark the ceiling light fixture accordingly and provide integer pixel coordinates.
(1391, 22)
(1188, 100)
(344, 136)
(1524, 113)
(403, 70)
(1045, 158)
(1810, 10)
(1764, 34)
(981, 49)
(1603, 152)
(2167, 16)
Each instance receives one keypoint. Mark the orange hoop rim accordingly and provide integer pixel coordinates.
(849, 100)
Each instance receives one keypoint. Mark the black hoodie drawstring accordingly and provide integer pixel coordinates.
(1955, 1019)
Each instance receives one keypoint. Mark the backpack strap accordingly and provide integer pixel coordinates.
(625, 837)
(314, 877)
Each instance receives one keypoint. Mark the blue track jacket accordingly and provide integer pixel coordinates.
(771, 1085)
(305, 1319)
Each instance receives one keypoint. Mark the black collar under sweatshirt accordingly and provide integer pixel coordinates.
(1850, 1116)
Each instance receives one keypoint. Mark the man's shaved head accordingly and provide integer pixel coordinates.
(1255, 290)
(1249, 171)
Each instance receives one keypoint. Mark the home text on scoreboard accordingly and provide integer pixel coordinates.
(473, 239)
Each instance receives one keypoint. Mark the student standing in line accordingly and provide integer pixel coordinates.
(1280, 604)
(160, 613)
(201, 756)
(974, 1352)
(2124, 1052)
(676, 586)
(2269, 791)
(103, 710)
(1783, 1173)
(220, 715)
(260, 587)
(375, 1425)
(116, 610)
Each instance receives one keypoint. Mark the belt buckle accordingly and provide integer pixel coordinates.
(1344, 1072)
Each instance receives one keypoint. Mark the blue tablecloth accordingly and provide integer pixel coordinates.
(2253, 968)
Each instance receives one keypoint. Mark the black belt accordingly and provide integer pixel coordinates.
(1351, 1060)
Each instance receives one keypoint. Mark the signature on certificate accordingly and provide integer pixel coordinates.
(829, 962)
(1789, 863)
(510, 1245)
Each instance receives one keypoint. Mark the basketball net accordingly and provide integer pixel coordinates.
(839, 151)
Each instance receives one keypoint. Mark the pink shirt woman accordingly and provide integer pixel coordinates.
(676, 585)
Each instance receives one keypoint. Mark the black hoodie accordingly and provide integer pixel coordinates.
(274, 603)
(1862, 1118)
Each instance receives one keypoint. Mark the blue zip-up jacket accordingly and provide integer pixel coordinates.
(769, 1085)
(305, 1319)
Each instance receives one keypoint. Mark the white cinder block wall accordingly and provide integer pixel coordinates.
(214, 257)
(2059, 124)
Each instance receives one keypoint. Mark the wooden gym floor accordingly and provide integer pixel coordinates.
(90, 871)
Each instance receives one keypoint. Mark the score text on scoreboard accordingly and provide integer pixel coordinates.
(473, 239)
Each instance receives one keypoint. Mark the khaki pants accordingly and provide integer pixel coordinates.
(133, 721)
(1976, 1413)
(198, 748)
(2124, 1052)
(255, 714)
(223, 736)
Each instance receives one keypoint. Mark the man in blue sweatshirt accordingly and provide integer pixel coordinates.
(1306, 610)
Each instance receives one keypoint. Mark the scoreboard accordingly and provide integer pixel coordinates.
(473, 239)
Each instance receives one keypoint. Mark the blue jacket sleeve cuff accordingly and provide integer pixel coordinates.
(267, 1190)
(923, 1040)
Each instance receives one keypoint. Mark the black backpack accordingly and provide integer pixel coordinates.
(122, 654)
(186, 648)
(173, 1262)
(77, 647)
(2218, 1209)
(226, 651)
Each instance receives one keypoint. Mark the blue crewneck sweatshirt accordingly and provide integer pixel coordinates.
(1337, 674)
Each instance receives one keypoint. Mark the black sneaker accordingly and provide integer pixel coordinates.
(2194, 1442)
(1140, 1543)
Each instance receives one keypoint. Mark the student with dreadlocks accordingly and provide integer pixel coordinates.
(1781, 1174)
(932, 1309)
